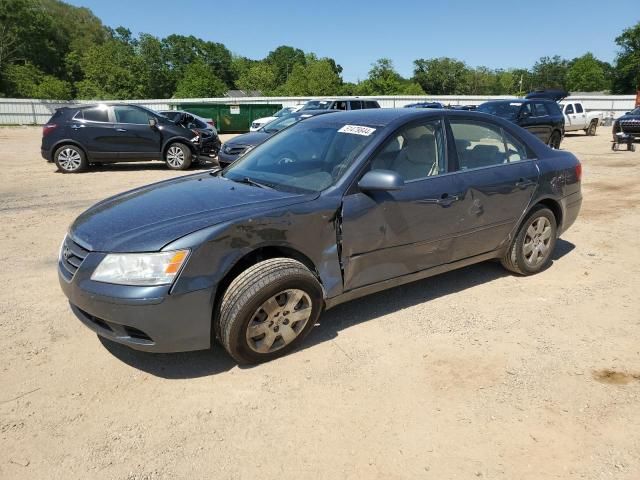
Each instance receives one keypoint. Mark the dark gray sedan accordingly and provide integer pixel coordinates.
(333, 208)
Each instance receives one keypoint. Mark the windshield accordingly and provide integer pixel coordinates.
(508, 110)
(308, 157)
(283, 111)
(317, 105)
(281, 123)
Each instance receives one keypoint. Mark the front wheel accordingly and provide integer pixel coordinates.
(554, 140)
(178, 156)
(70, 159)
(268, 309)
(531, 249)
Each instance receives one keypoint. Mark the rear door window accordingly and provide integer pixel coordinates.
(478, 144)
(356, 105)
(579, 108)
(370, 104)
(96, 114)
(540, 110)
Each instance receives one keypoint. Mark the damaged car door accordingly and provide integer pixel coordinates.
(388, 233)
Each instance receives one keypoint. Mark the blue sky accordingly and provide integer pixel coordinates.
(497, 33)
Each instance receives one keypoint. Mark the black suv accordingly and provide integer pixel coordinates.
(76, 136)
(540, 116)
(629, 124)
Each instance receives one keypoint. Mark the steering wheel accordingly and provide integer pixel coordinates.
(287, 157)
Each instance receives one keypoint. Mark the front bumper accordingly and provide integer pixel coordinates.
(150, 319)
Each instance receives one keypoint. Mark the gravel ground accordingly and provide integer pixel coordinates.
(472, 374)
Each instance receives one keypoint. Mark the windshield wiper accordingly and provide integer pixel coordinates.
(250, 181)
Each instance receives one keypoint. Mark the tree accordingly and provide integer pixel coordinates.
(156, 77)
(442, 76)
(550, 72)
(260, 77)
(626, 74)
(588, 74)
(199, 81)
(284, 59)
(29, 81)
(113, 70)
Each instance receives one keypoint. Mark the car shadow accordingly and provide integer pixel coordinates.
(216, 360)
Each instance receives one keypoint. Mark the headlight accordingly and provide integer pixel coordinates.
(140, 268)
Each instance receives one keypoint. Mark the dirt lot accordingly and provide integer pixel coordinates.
(472, 374)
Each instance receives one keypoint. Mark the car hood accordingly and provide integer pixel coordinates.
(252, 138)
(148, 218)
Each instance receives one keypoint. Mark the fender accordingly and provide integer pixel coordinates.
(67, 141)
(194, 147)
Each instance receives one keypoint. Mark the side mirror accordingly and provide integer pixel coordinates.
(153, 122)
(381, 181)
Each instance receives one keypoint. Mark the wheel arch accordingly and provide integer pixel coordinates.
(61, 143)
(181, 140)
(258, 254)
(552, 205)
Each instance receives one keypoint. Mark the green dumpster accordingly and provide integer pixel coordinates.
(231, 118)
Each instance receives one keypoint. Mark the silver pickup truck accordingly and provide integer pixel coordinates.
(576, 118)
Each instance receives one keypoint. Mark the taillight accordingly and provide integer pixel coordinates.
(579, 171)
(212, 123)
(48, 128)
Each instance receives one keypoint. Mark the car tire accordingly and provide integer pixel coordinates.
(257, 321)
(531, 250)
(554, 140)
(70, 159)
(178, 156)
(591, 131)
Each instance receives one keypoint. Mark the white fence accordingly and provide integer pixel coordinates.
(37, 112)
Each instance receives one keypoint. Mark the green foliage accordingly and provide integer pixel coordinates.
(261, 76)
(199, 81)
(550, 72)
(442, 76)
(316, 78)
(284, 59)
(29, 81)
(626, 75)
(588, 74)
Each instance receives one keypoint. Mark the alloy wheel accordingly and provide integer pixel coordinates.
(278, 321)
(175, 157)
(537, 241)
(69, 159)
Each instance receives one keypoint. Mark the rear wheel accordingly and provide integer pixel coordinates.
(591, 131)
(531, 249)
(554, 140)
(178, 156)
(268, 309)
(70, 159)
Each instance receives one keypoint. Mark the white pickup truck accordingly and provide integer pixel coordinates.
(576, 117)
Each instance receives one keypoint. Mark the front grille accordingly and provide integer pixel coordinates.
(630, 126)
(71, 257)
(234, 150)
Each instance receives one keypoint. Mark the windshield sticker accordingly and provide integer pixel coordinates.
(357, 130)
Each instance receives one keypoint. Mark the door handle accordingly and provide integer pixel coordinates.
(76, 127)
(445, 200)
(120, 130)
(524, 183)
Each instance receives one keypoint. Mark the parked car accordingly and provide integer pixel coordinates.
(340, 104)
(540, 116)
(425, 105)
(258, 123)
(238, 146)
(330, 209)
(629, 124)
(462, 107)
(577, 118)
(74, 137)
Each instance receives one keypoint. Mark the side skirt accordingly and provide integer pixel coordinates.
(412, 277)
